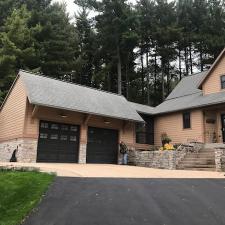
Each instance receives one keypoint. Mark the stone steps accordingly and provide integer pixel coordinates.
(203, 160)
(207, 162)
(197, 169)
(207, 150)
(200, 155)
(189, 165)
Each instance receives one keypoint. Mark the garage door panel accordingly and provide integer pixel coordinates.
(58, 142)
(102, 146)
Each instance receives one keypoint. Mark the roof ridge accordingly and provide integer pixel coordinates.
(142, 104)
(184, 95)
(69, 82)
(193, 74)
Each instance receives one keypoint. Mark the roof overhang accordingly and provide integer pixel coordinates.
(80, 111)
(9, 92)
(190, 108)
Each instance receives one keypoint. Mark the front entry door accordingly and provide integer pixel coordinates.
(223, 126)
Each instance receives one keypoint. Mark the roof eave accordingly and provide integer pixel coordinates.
(188, 108)
(9, 92)
(91, 113)
(149, 114)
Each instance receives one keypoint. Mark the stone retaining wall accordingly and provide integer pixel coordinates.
(156, 159)
(220, 159)
(27, 150)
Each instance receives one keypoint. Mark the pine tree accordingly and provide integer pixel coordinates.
(115, 24)
(17, 46)
(87, 49)
(166, 36)
(58, 42)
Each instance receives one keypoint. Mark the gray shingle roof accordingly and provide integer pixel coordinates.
(63, 95)
(188, 85)
(145, 109)
(190, 101)
(186, 95)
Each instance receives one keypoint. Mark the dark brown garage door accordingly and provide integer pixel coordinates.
(58, 142)
(102, 146)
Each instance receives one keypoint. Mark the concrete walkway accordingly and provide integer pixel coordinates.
(114, 171)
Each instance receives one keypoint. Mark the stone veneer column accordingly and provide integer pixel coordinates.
(27, 150)
(83, 144)
(220, 159)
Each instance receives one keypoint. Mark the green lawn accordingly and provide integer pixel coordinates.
(19, 194)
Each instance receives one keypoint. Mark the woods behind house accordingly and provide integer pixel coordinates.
(140, 50)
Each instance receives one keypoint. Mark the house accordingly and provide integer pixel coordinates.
(55, 121)
(49, 120)
(195, 109)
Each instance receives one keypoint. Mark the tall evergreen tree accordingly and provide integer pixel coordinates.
(17, 46)
(146, 27)
(120, 32)
(87, 54)
(58, 42)
(166, 35)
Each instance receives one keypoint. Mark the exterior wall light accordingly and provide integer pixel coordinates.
(63, 115)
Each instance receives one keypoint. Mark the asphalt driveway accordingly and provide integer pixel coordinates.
(123, 201)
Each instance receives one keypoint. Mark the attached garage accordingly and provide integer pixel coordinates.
(102, 146)
(50, 120)
(58, 142)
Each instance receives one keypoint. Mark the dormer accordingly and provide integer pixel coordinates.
(214, 80)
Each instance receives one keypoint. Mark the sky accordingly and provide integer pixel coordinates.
(72, 8)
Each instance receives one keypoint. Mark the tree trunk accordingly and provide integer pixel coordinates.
(155, 72)
(186, 61)
(180, 69)
(148, 86)
(127, 82)
(109, 81)
(119, 71)
(142, 77)
(162, 81)
(190, 57)
(201, 59)
(168, 78)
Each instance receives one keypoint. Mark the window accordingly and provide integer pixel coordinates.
(73, 128)
(43, 135)
(44, 125)
(65, 127)
(54, 126)
(63, 137)
(145, 131)
(186, 120)
(222, 79)
(54, 136)
(141, 133)
(73, 138)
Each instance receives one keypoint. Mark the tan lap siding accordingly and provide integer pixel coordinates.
(31, 125)
(212, 83)
(126, 129)
(172, 124)
(13, 113)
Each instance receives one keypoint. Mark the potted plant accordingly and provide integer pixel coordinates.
(165, 139)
